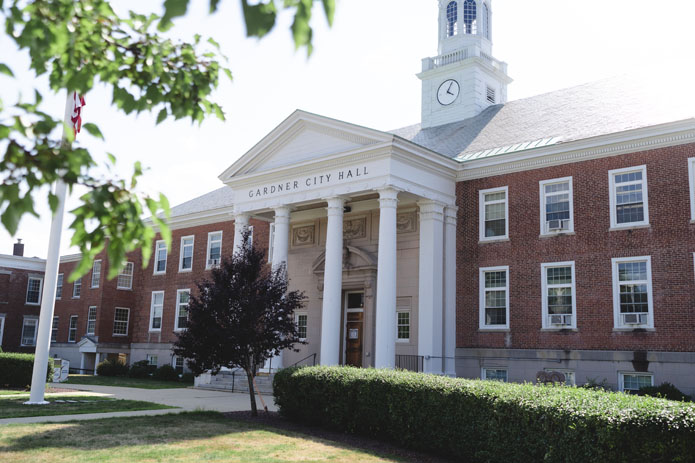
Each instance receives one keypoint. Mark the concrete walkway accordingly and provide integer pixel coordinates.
(186, 399)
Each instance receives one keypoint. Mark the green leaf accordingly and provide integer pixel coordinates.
(4, 69)
(162, 115)
(112, 158)
(93, 130)
(260, 18)
(172, 9)
(213, 5)
(53, 202)
(329, 8)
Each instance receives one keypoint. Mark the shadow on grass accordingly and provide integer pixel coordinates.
(131, 432)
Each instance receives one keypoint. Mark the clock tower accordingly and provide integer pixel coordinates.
(464, 78)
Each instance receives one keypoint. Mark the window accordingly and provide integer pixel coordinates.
(632, 292)
(494, 210)
(77, 288)
(160, 257)
(628, 197)
(214, 254)
(152, 360)
(691, 177)
(59, 286)
(494, 298)
(452, 12)
(182, 298)
(633, 382)
(120, 321)
(491, 97)
(469, 17)
(34, 291)
(91, 320)
(302, 323)
(186, 255)
(570, 379)
(250, 229)
(96, 273)
(177, 363)
(271, 242)
(494, 374)
(2, 327)
(156, 310)
(486, 21)
(29, 331)
(125, 278)
(403, 326)
(557, 209)
(559, 297)
(54, 330)
(72, 330)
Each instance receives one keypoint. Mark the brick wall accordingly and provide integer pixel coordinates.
(13, 292)
(670, 241)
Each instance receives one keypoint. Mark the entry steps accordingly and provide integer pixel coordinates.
(236, 381)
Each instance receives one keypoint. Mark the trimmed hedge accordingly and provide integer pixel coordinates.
(474, 420)
(166, 373)
(16, 370)
(112, 368)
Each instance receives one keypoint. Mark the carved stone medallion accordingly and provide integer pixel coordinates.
(355, 228)
(303, 236)
(406, 222)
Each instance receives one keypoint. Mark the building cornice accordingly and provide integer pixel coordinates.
(615, 144)
(22, 263)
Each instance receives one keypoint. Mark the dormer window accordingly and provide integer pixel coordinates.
(470, 16)
(452, 12)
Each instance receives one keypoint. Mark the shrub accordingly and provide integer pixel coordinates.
(187, 378)
(16, 370)
(665, 391)
(112, 368)
(474, 420)
(141, 369)
(166, 373)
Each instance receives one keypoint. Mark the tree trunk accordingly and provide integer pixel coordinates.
(249, 377)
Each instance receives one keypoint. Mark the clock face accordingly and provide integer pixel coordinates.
(448, 92)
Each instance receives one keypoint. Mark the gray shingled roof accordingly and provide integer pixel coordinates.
(217, 199)
(598, 108)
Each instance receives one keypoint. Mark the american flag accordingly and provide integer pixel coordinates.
(76, 118)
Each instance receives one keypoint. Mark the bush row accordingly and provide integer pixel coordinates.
(474, 420)
(141, 369)
(16, 370)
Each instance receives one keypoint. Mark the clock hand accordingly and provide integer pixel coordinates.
(448, 90)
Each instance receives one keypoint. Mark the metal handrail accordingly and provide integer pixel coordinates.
(313, 362)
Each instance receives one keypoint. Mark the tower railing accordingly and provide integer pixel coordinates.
(461, 55)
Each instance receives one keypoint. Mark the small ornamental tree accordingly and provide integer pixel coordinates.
(240, 317)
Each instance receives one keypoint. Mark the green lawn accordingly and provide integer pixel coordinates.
(198, 436)
(123, 382)
(13, 407)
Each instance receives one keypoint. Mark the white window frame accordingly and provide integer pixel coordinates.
(481, 213)
(271, 242)
(2, 327)
(613, 192)
(691, 181)
(410, 326)
(122, 273)
(96, 272)
(36, 330)
(542, 184)
(481, 312)
(192, 245)
(55, 324)
(59, 286)
(617, 322)
(70, 328)
(208, 265)
(151, 357)
(127, 321)
(296, 321)
(483, 373)
(622, 374)
(544, 295)
(178, 307)
(250, 229)
(89, 312)
(157, 245)
(161, 315)
(174, 358)
(77, 288)
(26, 299)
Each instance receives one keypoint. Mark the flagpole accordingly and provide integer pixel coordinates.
(43, 341)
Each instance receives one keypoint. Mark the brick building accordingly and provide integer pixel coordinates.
(494, 239)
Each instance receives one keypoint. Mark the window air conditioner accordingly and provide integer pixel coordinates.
(558, 225)
(214, 262)
(561, 320)
(634, 318)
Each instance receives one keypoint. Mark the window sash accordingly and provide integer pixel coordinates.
(494, 298)
(91, 320)
(156, 310)
(72, 329)
(96, 273)
(494, 214)
(34, 291)
(54, 329)
(29, 328)
(495, 374)
(77, 288)
(403, 325)
(634, 382)
(160, 257)
(302, 325)
(59, 286)
(629, 197)
(125, 278)
(214, 254)
(182, 301)
(120, 321)
(632, 292)
(187, 243)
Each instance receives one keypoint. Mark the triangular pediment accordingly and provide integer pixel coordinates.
(301, 138)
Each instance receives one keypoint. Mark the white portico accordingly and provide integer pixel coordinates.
(346, 202)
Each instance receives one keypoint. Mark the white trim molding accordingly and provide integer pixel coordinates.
(691, 182)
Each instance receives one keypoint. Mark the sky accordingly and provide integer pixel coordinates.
(363, 70)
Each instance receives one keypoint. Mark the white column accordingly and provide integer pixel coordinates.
(430, 316)
(96, 362)
(81, 363)
(241, 224)
(280, 248)
(332, 283)
(450, 290)
(386, 325)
